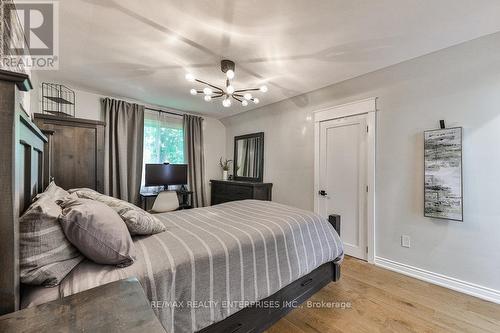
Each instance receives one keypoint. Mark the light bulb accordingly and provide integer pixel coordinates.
(263, 89)
(230, 89)
(244, 103)
(193, 92)
(226, 102)
(190, 77)
(208, 98)
(207, 91)
(256, 100)
(248, 96)
(230, 74)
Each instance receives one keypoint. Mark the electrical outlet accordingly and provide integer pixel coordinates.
(405, 241)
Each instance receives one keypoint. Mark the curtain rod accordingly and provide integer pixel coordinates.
(163, 111)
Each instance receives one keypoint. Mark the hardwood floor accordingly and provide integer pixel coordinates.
(384, 301)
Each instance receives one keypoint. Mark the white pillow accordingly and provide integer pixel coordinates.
(166, 201)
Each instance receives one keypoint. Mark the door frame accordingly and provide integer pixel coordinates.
(368, 107)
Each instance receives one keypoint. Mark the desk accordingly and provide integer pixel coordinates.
(185, 199)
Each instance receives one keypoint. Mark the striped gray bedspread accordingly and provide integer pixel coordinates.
(212, 262)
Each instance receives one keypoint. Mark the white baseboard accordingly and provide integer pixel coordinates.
(468, 288)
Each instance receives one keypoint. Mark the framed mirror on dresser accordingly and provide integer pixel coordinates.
(248, 162)
(248, 173)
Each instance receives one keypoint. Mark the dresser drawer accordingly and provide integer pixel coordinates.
(239, 191)
(218, 199)
(230, 189)
(224, 191)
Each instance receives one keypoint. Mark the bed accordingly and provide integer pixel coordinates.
(235, 267)
(213, 262)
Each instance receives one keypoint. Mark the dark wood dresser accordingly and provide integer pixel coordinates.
(76, 151)
(230, 190)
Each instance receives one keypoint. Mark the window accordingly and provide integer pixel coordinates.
(163, 140)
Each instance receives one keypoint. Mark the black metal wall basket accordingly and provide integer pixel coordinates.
(58, 100)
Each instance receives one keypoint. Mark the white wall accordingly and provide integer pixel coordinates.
(288, 148)
(214, 136)
(29, 99)
(88, 106)
(461, 85)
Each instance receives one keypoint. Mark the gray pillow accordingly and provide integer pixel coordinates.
(138, 221)
(97, 231)
(46, 256)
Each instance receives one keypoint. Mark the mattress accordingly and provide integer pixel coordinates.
(214, 261)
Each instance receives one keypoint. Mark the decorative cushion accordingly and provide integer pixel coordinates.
(46, 256)
(166, 201)
(137, 220)
(97, 231)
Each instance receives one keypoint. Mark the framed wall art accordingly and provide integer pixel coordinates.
(443, 174)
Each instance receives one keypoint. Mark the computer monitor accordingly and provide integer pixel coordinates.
(166, 174)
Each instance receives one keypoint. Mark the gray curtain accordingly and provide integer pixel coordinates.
(193, 150)
(123, 144)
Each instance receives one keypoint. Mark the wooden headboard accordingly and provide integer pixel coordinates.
(21, 178)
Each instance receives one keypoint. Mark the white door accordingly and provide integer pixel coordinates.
(342, 179)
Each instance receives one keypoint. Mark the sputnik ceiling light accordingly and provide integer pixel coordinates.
(211, 91)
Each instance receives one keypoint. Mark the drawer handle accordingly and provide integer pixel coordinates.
(236, 328)
(306, 282)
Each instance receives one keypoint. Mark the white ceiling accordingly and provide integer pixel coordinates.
(142, 49)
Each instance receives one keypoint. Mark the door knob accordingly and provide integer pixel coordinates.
(323, 193)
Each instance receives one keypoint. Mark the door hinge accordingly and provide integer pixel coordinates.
(367, 249)
(366, 188)
(366, 129)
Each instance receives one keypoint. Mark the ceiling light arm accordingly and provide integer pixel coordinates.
(236, 98)
(217, 96)
(210, 85)
(245, 90)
